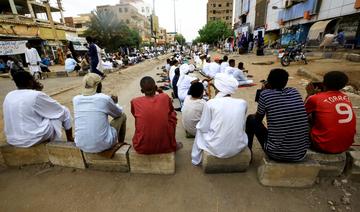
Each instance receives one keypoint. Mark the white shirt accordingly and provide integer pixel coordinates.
(221, 130)
(184, 85)
(172, 73)
(32, 57)
(239, 75)
(32, 116)
(223, 66)
(167, 67)
(70, 64)
(93, 132)
(230, 70)
(214, 68)
(191, 113)
(206, 68)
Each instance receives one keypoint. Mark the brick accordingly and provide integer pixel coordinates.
(353, 165)
(119, 163)
(16, 156)
(152, 164)
(66, 154)
(237, 163)
(331, 165)
(301, 174)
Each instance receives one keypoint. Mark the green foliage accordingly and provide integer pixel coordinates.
(180, 39)
(214, 31)
(111, 33)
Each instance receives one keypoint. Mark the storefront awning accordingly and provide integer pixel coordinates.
(317, 28)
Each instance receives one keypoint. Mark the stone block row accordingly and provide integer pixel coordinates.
(66, 154)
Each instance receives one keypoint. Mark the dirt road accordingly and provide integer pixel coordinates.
(39, 188)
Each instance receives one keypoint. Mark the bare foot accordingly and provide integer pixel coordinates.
(179, 146)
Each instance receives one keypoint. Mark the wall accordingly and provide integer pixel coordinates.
(335, 8)
(272, 18)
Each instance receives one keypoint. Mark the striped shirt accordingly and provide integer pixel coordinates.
(288, 129)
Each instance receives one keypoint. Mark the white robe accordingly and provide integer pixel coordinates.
(32, 57)
(31, 117)
(221, 130)
(229, 70)
(191, 113)
(214, 68)
(223, 66)
(100, 65)
(183, 85)
(172, 74)
(241, 78)
(206, 68)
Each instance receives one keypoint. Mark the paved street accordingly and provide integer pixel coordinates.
(188, 190)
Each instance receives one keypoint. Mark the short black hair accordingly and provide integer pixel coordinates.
(335, 80)
(278, 78)
(232, 62)
(148, 85)
(196, 90)
(22, 79)
(168, 61)
(173, 62)
(177, 72)
(241, 65)
(89, 39)
(225, 58)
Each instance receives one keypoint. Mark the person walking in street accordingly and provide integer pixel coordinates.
(95, 57)
(33, 60)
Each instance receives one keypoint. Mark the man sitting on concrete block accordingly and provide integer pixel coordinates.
(221, 130)
(331, 116)
(31, 116)
(93, 132)
(193, 108)
(287, 136)
(155, 121)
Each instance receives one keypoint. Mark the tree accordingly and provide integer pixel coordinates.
(180, 39)
(111, 33)
(214, 31)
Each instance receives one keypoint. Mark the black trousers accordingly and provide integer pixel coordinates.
(257, 128)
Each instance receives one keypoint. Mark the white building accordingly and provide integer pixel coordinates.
(143, 8)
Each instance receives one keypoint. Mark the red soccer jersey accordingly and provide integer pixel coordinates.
(155, 124)
(334, 121)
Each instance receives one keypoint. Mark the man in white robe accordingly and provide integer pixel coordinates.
(174, 65)
(206, 66)
(231, 68)
(214, 67)
(224, 64)
(221, 130)
(32, 59)
(31, 116)
(185, 81)
(239, 75)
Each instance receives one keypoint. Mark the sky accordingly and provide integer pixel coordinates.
(190, 14)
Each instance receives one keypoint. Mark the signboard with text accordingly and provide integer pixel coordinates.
(12, 47)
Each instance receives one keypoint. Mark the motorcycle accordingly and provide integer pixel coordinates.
(293, 54)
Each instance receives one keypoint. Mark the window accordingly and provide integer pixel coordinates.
(120, 10)
(227, 17)
(219, 5)
(142, 10)
(126, 9)
(214, 11)
(214, 5)
(227, 11)
(127, 21)
(228, 4)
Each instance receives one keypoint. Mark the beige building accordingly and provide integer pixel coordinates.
(170, 38)
(161, 36)
(129, 14)
(81, 22)
(220, 10)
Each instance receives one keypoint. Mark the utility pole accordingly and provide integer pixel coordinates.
(175, 16)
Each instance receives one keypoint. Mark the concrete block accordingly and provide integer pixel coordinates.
(119, 163)
(73, 74)
(353, 165)
(66, 154)
(237, 163)
(152, 164)
(331, 165)
(16, 156)
(301, 174)
(353, 57)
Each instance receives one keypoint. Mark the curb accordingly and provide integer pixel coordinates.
(305, 73)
